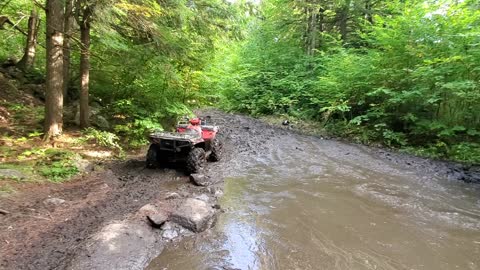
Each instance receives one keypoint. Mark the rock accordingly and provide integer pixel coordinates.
(94, 111)
(96, 104)
(184, 194)
(70, 114)
(10, 62)
(120, 246)
(15, 73)
(200, 179)
(203, 197)
(76, 119)
(193, 214)
(11, 174)
(54, 201)
(172, 196)
(169, 234)
(216, 191)
(94, 115)
(36, 90)
(157, 219)
(168, 226)
(101, 122)
(466, 174)
(83, 165)
(147, 210)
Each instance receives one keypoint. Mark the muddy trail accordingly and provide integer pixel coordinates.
(278, 184)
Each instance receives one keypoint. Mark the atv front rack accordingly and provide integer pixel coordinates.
(174, 136)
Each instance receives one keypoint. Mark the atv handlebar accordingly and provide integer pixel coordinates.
(205, 120)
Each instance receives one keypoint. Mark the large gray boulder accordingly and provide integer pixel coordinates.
(100, 122)
(119, 246)
(200, 179)
(193, 214)
(11, 174)
(72, 113)
(82, 165)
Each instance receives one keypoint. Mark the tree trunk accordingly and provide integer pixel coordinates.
(311, 30)
(343, 21)
(306, 34)
(368, 11)
(313, 33)
(66, 46)
(85, 74)
(54, 84)
(321, 16)
(28, 59)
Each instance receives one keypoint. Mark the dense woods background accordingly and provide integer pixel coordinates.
(402, 73)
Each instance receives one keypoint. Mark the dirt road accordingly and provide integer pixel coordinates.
(45, 233)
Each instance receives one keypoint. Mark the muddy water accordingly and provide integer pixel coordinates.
(306, 203)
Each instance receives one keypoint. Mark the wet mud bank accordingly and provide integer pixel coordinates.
(116, 218)
(124, 215)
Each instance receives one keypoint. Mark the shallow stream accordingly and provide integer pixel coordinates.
(308, 203)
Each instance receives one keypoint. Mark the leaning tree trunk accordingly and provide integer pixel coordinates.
(66, 46)
(84, 73)
(54, 85)
(26, 63)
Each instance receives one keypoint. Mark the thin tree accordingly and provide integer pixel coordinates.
(26, 63)
(84, 12)
(67, 28)
(54, 84)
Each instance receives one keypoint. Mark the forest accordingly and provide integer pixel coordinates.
(404, 74)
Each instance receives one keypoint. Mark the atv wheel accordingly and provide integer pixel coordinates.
(217, 148)
(152, 156)
(196, 160)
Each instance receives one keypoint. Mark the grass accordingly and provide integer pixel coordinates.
(6, 190)
(22, 148)
(23, 167)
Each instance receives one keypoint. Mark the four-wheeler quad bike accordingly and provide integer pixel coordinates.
(194, 142)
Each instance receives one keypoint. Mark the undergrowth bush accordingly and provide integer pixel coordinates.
(57, 165)
(59, 171)
(409, 80)
(102, 138)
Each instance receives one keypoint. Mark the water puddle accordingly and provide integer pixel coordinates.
(308, 206)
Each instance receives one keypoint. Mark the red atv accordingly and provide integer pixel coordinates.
(194, 142)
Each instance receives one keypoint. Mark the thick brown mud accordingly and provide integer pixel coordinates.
(40, 235)
(290, 202)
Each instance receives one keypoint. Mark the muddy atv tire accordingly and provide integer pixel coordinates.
(217, 149)
(152, 156)
(196, 160)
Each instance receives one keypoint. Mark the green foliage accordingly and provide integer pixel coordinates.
(135, 133)
(57, 165)
(102, 138)
(34, 152)
(404, 73)
(409, 76)
(147, 58)
(12, 41)
(59, 171)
